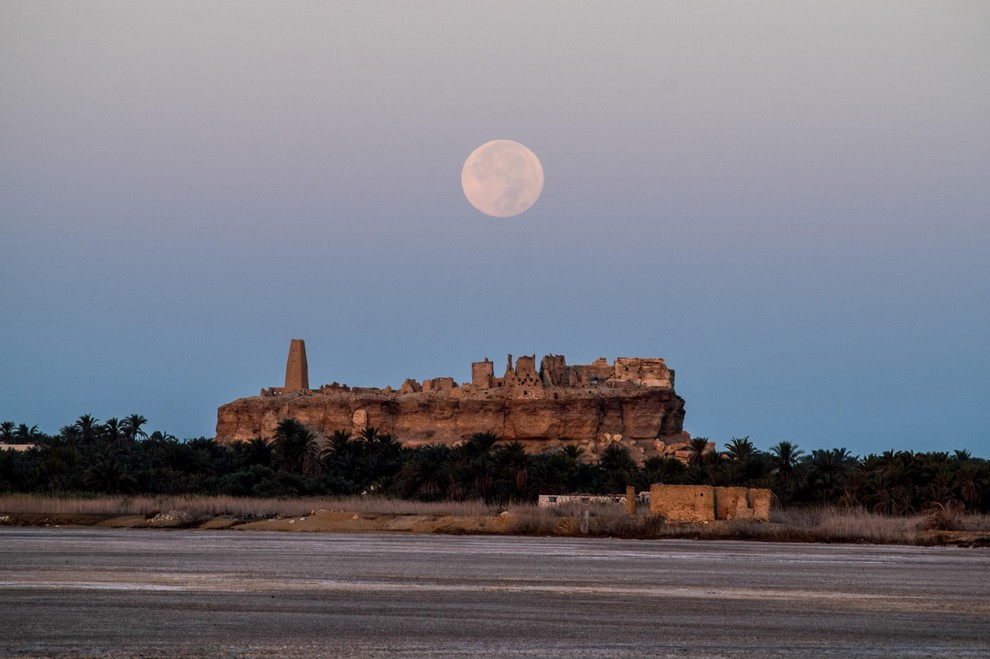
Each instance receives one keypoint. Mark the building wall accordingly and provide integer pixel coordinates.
(550, 500)
(759, 502)
(439, 384)
(483, 374)
(648, 372)
(553, 370)
(526, 374)
(683, 503)
(703, 503)
(732, 503)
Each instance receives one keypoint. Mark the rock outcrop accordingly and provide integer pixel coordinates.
(632, 402)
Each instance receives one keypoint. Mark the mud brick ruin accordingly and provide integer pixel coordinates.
(704, 503)
(630, 401)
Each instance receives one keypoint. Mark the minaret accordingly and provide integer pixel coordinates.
(296, 369)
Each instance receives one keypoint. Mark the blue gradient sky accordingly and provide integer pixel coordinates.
(789, 202)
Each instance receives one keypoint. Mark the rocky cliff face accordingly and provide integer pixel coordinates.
(592, 410)
(648, 419)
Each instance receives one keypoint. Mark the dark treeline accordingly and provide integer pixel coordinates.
(117, 456)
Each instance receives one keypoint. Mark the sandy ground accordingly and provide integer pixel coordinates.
(321, 521)
(144, 592)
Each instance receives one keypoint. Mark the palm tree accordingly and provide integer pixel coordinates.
(740, 449)
(473, 468)
(132, 427)
(87, 428)
(26, 434)
(426, 475)
(480, 443)
(339, 442)
(384, 453)
(784, 461)
(514, 463)
(619, 469)
(108, 474)
(830, 473)
(297, 448)
(344, 458)
(940, 487)
(699, 448)
(159, 436)
(661, 469)
(962, 455)
(971, 478)
(7, 431)
(556, 472)
(112, 430)
(786, 457)
(58, 469)
(254, 452)
(572, 451)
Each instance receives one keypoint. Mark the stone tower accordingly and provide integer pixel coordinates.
(483, 374)
(296, 369)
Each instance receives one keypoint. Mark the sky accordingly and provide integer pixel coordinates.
(789, 202)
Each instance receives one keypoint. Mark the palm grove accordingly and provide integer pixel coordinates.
(118, 456)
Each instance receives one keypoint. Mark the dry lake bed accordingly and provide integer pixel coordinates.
(73, 591)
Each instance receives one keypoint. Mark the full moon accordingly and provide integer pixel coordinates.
(502, 178)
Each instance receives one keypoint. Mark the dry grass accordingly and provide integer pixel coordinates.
(790, 525)
(855, 525)
(213, 506)
(794, 524)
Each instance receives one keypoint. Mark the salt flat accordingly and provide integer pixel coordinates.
(126, 591)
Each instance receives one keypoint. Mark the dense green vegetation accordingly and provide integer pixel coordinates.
(117, 456)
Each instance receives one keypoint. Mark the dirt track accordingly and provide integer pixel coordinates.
(96, 591)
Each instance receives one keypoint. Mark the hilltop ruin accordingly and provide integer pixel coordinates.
(631, 401)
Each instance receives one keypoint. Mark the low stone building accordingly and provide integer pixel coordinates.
(551, 500)
(704, 503)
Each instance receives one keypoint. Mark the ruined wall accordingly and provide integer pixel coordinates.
(526, 375)
(683, 503)
(483, 374)
(553, 371)
(759, 503)
(596, 373)
(410, 386)
(643, 372)
(732, 503)
(439, 384)
(703, 503)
